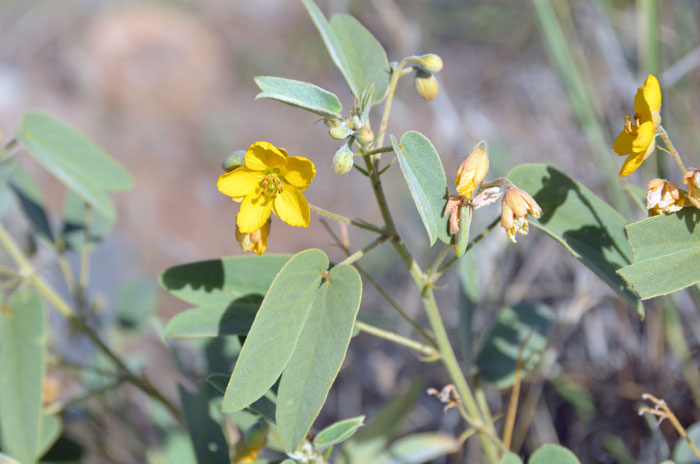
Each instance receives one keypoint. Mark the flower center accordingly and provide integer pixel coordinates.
(632, 127)
(271, 185)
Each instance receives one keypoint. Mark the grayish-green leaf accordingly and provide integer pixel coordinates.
(215, 321)
(354, 50)
(73, 159)
(265, 406)
(208, 439)
(498, 358)
(50, 428)
(300, 94)
(583, 223)
(425, 176)
(338, 432)
(218, 282)
(682, 453)
(511, 458)
(275, 331)
(73, 228)
(419, 448)
(318, 355)
(31, 200)
(136, 302)
(666, 253)
(22, 350)
(549, 454)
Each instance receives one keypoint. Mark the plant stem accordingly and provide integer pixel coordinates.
(26, 269)
(353, 222)
(395, 76)
(396, 338)
(360, 253)
(375, 151)
(476, 240)
(672, 149)
(662, 410)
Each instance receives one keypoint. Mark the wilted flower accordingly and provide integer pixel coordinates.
(472, 171)
(454, 204)
(664, 197)
(517, 204)
(638, 138)
(255, 242)
(692, 178)
(270, 180)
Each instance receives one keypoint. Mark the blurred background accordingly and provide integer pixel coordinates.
(166, 87)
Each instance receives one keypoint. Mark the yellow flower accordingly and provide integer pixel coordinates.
(517, 204)
(472, 171)
(664, 197)
(270, 180)
(638, 138)
(256, 242)
(692, 178)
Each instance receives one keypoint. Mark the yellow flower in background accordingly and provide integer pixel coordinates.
(256, 242)
(270, 180)
(638, 138)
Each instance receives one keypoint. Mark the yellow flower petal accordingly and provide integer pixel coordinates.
(623, 143)
(631, 164)
(644, 138)
(255, 209)
(300, 172)
(652, 93)
(292, 207)
(641, 106)
(263, 155)
(239, 182)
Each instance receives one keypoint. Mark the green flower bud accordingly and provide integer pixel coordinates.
(430, 63)
(340, 131)
(364, 137)
(343, 160)
(426, 85)
(234, 160)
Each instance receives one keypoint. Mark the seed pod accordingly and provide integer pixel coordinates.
(234, 160)
(343, 160)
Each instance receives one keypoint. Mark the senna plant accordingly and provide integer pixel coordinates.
(286, 321)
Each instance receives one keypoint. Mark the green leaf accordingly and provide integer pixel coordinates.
(50, 429)
(265, 406)
(278, 324)
(511, 458)
(300, 94)
(666, 253)
(5, 459)
(354, 50)
(73, 159)
(209, 283)
(583, 223)
(73, 228)
(549, 454)
(31, 201)
(419, 448)
(682, 453)
(318, 354)
(22, 332)
(498, 357)
(338, 432)
(425, 176)
(136, 302)
(215, 321)
(208, 439)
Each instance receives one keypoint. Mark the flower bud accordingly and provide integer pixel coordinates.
(472, 170)
(343, 160)
(364, 137)
(430, 63)
(256, 436)
(255, 242)
(517, 204)
(426, 85)
(664, 197)
(234, 160)
(692, 178)
(340, 131)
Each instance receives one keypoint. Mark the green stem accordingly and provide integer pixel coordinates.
(360, 253)
(376, 151)
(353, 222)
(26, 269)
(671, 149)
(438, 260)
(451, 261)
(396, 338)
(395, 76)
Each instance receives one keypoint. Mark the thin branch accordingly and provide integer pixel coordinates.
(359, 223)
(399, 339)
(360, 253)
